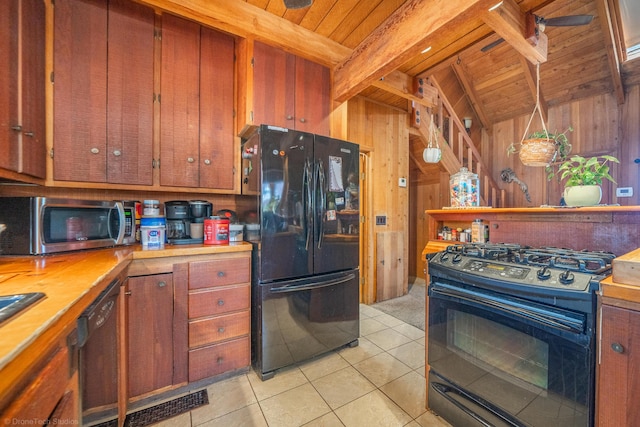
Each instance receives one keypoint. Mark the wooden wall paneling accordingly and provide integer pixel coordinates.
(629, 149)
(390, 278)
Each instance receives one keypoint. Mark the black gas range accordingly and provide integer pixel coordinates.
(512, 334)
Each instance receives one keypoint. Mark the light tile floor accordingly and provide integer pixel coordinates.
(378, 383)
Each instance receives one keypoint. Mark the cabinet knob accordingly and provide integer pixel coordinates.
(162, 284)
(220, 360)
(617, 347)
(95, 150)
(29, 134)
(221, 274)
(289, 117)
(207, 162)
(220, 302)
(303, 120)
(190, 159)
(220, 329)
(17, 128)
(117, 153)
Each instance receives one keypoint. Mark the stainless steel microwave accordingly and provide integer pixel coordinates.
(42, 225)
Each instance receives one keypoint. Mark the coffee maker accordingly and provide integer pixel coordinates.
(199, 210)
(178, 219)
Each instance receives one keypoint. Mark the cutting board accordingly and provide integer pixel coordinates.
(626, 268)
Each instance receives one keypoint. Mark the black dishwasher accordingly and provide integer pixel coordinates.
(98, 343)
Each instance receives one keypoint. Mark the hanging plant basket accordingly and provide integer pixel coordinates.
(433, 153)
(537, 151)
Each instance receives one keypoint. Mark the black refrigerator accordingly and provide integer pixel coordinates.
(305, 277)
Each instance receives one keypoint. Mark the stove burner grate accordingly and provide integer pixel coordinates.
(593, 262)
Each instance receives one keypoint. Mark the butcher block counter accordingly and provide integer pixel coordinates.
(70, 281)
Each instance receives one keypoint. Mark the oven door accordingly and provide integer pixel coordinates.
(503, 361)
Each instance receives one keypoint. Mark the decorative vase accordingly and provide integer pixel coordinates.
(582, 195)
(432, 154)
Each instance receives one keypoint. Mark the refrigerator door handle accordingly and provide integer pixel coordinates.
(323, 201)
(308, 196)
(315, 285)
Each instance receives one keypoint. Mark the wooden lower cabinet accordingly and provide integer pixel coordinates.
(219, 316)
(618, 376)
(187, 319)
(51, 397)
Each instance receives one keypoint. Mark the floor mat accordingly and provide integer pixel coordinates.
(163, 411)
(409, 308)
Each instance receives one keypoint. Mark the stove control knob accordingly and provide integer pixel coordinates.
(566, 277)
(544, 273)
(444, 257)
(456, 258)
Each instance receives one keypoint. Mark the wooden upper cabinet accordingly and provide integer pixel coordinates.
(22, 106)
(197, 99)
(103, 98)
(289, 91)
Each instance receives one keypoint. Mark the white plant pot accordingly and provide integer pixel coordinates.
(432, 155)
(583, 195)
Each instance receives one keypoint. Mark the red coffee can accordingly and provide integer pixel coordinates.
(216, 231)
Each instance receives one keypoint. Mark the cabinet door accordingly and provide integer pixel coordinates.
(80, 90)
(22, 123)
(217, 143)
(150, 333)
(179, 103)
(130, 93)
(312, 97)
(618, 377)
(274, 86)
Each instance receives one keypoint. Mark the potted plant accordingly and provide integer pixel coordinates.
(583, 178)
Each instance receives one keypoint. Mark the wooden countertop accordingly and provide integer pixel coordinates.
(71, 281)
(542, 209)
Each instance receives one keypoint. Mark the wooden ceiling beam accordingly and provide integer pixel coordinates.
(511, 24)
(474, 99)
(245, 20)
(604, 12)
(407, 32)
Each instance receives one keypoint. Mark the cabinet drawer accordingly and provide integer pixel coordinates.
(210, 330)
(219, 358)
(220, 272)
(218, 301)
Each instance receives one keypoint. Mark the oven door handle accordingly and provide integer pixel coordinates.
(313, 285)
(554, 320)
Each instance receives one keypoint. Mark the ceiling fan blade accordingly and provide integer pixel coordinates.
(566, 21)
(297, 4)
(492, 45)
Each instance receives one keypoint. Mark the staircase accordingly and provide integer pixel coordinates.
(459, 150)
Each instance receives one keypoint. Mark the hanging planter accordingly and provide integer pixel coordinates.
(433, 153)
(541, 148)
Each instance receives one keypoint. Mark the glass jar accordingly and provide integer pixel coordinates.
(464, 189)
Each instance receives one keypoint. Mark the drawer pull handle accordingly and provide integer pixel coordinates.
(221, 329)
(221, 274)
(618, 348)
(94, 150)
(221, 302)
(162, 284)
(220, 360)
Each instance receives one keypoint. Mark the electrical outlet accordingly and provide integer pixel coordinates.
(624, 192)
(381, 220)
